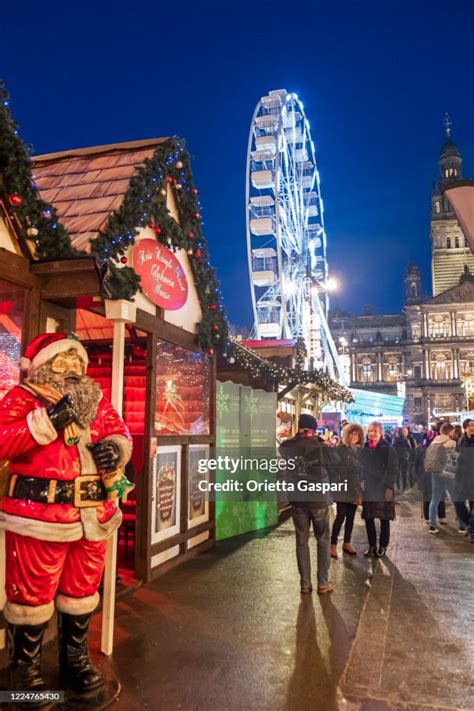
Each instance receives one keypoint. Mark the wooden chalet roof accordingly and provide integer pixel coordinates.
(87, 184)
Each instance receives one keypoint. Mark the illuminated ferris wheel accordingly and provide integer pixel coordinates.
(286, 239)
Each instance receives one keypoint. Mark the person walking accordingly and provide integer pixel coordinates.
(441, 460)
(464, 479)
(348, 471)
(313, 460)
(402, 448)
(423, 479)
(378, 475)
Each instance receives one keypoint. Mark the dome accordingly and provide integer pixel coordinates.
(413, 269)
(449, 149)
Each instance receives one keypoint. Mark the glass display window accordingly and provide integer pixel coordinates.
(183, 383)
(12, 315)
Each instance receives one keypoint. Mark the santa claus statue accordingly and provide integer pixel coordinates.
(65, 445)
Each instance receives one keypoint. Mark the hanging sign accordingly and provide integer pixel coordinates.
(162, 277)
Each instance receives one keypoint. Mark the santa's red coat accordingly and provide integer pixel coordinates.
(34, 449)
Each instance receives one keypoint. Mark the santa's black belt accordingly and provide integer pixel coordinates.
(82, 492)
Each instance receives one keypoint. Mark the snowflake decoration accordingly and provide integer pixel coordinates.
(222, 401)
(251, 404)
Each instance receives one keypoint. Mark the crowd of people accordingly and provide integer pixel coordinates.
(375, 466)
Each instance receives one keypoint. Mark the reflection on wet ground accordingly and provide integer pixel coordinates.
(229, 629)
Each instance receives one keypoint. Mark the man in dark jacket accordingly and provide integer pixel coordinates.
(464, 483)
(313, 459)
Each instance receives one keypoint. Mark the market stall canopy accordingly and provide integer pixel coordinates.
(461, 197)
(369, 406)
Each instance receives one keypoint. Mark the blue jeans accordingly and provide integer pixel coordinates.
(303, 517)
(441, 484)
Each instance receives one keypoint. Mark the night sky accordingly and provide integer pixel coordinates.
(375, 80)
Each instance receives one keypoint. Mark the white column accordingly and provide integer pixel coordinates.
(120, 312)
(453, 324)
(425, 326)
(379, 367)
(353, 367)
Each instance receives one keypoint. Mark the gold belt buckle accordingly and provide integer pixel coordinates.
(79, 501)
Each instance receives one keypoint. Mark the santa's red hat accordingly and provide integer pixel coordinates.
(46, 346)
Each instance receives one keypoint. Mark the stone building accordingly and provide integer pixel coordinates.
(426, 352)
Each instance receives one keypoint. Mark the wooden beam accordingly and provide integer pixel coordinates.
(67, 278)
(166, 331)
(15, 268)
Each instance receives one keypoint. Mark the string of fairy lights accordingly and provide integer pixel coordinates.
(260, 367)
(144, 205)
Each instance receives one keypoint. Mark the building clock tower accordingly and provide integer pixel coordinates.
(450, 253)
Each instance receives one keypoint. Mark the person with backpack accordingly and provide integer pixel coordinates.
(441, 460)
(423, 479)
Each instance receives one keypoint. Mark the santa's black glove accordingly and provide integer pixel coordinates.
(106, 454)
(62, 413)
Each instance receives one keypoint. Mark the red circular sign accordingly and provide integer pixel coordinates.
(162, 277)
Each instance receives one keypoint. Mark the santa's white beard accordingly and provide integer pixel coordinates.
(84, 393)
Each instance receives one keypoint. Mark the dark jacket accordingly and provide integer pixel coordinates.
(347, 470)
(379, 472)
(465, 470)
(314, 461)
(402, 448)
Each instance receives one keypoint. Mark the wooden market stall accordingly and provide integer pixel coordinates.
(106, 241)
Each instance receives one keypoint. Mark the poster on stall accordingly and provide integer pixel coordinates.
(166, 487)
(198, 508)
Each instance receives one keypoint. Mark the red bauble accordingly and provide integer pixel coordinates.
(216, 327)
(196, 215)
(213, 307)
(157, 230)
(169, 179)
(124, 260)
(195, 191)
(15, 200)
(152, 225)
(197, 254)
(190, 235)
(210, 351)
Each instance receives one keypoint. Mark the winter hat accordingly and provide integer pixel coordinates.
(307, 422)
(46, 346)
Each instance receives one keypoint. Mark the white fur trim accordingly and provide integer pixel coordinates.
(77, 605)
(125, 449)
(24, 363)
(96, 531)
(65, 344)
(27, 614)
(41, 530)
(40, 426)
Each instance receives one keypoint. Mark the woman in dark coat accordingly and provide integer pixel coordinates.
(378, 476)
(348, 471)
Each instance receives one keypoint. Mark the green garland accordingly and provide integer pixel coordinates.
(258, 366)
(144, 204)
(35, 218)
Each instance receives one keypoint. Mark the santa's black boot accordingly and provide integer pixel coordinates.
(24, 651)
(76, 668)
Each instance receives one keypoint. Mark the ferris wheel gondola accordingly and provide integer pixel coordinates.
(286, 238)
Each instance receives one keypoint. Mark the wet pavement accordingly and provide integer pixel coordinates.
(229, 629)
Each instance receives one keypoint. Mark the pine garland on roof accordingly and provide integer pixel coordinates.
(258, 366)
(34, 218)
(145, 204)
